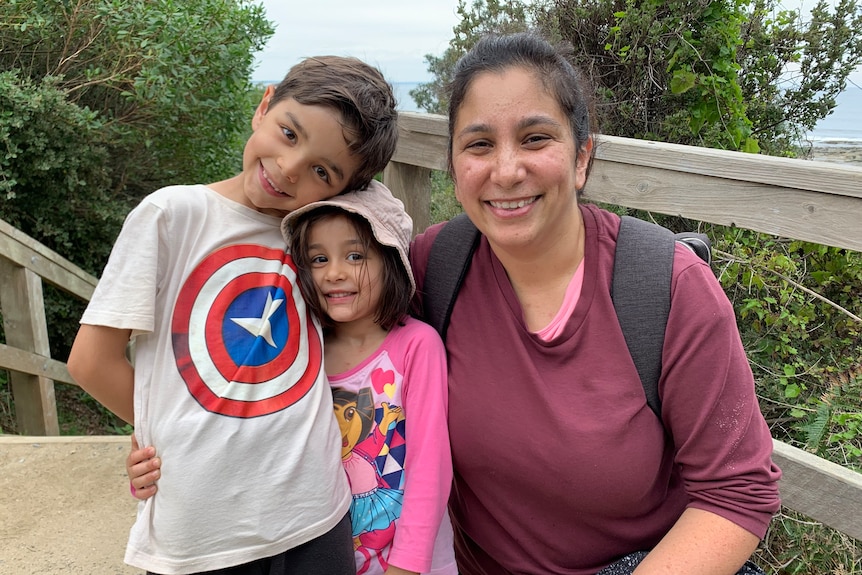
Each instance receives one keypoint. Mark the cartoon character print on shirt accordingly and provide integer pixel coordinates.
(372, 451)
(243, 339)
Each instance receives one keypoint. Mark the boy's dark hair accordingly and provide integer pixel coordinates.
(362, 97)
(396, 293)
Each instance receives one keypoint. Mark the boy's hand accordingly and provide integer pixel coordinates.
(143, 468)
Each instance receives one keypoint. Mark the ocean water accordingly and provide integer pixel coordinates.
(843, 128)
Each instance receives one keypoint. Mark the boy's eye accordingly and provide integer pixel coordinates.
(289, 134)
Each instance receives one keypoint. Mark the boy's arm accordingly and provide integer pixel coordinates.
(98, 363)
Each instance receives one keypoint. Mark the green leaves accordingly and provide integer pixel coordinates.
(104, 101)
(682, 81)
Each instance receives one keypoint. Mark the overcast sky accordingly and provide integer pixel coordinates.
(394, 35)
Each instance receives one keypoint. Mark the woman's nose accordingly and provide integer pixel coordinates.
(508, 169)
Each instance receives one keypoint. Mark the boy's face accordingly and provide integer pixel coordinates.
(296, 155)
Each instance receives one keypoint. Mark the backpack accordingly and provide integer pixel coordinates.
(640, 288)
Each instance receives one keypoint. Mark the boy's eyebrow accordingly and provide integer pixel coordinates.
(339, 173)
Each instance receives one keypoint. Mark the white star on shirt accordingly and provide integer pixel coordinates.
(261, 326)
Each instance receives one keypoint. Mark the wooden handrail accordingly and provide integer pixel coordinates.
(813, 201)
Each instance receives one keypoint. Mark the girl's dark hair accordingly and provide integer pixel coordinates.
(395, 294)
(362, 97)
(528, 50)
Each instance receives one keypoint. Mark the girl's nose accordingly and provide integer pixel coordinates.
(335, 271)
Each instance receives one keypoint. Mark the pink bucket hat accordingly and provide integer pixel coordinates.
(390, 223)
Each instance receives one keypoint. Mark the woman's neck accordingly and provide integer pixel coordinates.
(541, 273)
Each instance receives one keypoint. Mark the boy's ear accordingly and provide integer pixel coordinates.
(263, 107)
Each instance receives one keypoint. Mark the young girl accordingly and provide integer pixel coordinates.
(388, 377)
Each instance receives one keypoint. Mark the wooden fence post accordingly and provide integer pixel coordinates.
(412, 185)
(23, 309)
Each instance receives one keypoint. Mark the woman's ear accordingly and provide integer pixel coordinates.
(263, 107)
(582, 163)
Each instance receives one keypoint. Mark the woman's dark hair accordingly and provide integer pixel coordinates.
(395, 294)
(527, 50)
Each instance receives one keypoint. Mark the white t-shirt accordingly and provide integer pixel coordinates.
(229, 384)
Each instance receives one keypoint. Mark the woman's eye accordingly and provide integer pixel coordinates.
(535, 138)
(478, 144)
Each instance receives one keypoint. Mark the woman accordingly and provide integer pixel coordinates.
(560, 465)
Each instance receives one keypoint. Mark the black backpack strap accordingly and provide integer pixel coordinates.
(448, 261)
(640, 289)
(698, 243)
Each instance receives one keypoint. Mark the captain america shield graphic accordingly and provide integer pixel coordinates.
(243, 339)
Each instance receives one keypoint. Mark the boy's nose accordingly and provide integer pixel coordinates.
(289, 168)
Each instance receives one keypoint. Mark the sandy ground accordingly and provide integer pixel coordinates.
(65, 505)
(840, 154)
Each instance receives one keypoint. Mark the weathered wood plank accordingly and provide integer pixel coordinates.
(820, 489)
(818, 217)
(412, 185)
(24, 251)
(423, 140)
(15, 359)
(836, 179)
(23, 310)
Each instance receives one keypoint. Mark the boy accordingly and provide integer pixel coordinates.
(228, 378)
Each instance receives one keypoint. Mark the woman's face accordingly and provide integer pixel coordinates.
(514, 160)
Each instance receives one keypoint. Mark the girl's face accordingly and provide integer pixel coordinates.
(515, 161)
(349, 277)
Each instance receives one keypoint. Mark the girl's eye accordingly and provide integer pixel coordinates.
(289, 134)
(317, 260)
(322, 173)
(355, 257)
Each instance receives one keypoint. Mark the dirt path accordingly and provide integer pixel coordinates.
(64, 505)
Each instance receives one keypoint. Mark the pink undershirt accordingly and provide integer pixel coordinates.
(573, 292)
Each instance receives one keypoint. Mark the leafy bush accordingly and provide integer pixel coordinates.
(104, 101)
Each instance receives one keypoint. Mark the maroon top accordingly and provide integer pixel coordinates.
(560, 465)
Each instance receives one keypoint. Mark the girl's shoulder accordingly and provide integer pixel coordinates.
(412, 335)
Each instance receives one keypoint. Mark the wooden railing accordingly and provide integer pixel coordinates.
(812, 201)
